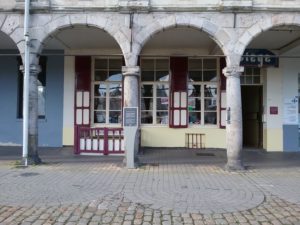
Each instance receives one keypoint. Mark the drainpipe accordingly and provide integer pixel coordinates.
(26, 84)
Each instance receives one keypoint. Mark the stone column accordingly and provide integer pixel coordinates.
(131, 85)
(234, 125)
(33, 157)
(132, 99)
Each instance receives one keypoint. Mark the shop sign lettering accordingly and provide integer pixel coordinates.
(259, 58)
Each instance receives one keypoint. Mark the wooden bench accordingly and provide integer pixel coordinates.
(194, 140)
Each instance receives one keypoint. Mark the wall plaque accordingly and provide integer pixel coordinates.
(130, 116)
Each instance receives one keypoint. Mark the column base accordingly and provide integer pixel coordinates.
(31, 160)
(235, 166)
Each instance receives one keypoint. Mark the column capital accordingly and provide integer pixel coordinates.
(131, 71)
(233, 71)
(33, 70)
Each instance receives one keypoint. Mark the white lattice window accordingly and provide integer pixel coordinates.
(107, 90)
(203, 91)
(155, 91)
(251, 76)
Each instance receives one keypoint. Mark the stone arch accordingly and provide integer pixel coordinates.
(161, 23)
(113, 25)
(264, 24)
(10, 25)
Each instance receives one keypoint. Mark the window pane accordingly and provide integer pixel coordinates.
(115, 76)
(210, 90)
(209, 63)
(195, 64)
(162, 90)
(100, 90)
(100, 63)
(248, 71)
(210, 118)
(99, 117)
(147, 76)
(162, 76)
(115, 64)
(210, 75)
(162, 118)
(147, 117)
(147, 64)
(162, 64)
(194, 117)
(99, 103)
(147, 90)
(194, 90)
(100, 75)
(162, 103)
(115, 103)
(210, 104)
(195, 75)
(256, 80)
(115, 89)
(248, 80)
(194, 104)
(256, 71)
(115, 117)
(146, 103)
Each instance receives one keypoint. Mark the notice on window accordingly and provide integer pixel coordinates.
(130, 116)
(290, 111)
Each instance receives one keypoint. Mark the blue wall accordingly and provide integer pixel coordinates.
(10, 127)
(290, 138)
(50, 128)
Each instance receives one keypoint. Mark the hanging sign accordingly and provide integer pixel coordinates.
(259, 58)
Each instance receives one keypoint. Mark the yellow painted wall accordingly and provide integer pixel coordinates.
(168, 137)
(68, 136)
(273, 139)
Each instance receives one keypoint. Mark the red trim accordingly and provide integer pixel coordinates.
(83, 84)
(222, 88)
(100, 134)
(179, 71)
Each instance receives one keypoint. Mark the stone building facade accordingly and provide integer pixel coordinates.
(181, 66)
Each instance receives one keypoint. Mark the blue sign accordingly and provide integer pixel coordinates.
(259, 58)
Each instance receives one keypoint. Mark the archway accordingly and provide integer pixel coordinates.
(274, 70)
(181, 86)
(85, 62)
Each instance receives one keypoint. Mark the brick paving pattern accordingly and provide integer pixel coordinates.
(178, 191)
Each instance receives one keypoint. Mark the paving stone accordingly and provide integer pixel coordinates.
(116, 209)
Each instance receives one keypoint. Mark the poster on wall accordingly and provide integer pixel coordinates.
(290, 111)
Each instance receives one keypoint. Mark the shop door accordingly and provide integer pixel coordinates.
(252, 116)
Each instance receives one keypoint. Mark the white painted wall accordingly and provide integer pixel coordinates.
(290, 70)
(273, 97)
(68, 112)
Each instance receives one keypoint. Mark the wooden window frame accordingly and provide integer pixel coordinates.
(107, 97)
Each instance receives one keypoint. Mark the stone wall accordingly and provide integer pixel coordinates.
(155, 5)
(232, 32)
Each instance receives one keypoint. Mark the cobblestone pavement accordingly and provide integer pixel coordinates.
(169, 188)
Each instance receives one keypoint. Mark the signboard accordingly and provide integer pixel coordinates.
(259, 58)
(130, 116)
(273, 110)
(290, 111)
